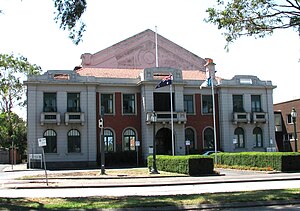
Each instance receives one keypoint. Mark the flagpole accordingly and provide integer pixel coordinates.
(156, 48)
(214, 118)
(172, 124)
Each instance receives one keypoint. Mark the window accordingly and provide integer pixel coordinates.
(189, 104)
(278, 122)
(190, 136)
(107, 103)
(255, 103)
(51, 140)
(238, 105)
(289, 119)
(129, 140)
(258, 137)
(109, 140)
(74, 144)
(73, 102)
(162, 101)
(49, 102)
(207, 107)
(128, 103)
(288, 137)
(209, 139)
(239, 136)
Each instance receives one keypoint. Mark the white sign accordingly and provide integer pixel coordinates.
(42, 142)
(137, 143)
(187, 142)
(150, 149)
(35, 156)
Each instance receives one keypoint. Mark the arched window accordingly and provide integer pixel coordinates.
(109, 140)
(258, 137)
(239, 136)
(51, 140)
(208, 139)
(190, 136)
(129, 138)
(74, 143)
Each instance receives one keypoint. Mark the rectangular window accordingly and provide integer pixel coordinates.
(73, 102)
(128, 103)
(289, 119)
(238, 105)
(255, 103)
(278, 122)
(207, 107)
(288, 137)
(189, 104)
(49, 102)
(162, 101)
(107, 103)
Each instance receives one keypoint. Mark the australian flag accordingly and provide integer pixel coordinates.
(166, 81)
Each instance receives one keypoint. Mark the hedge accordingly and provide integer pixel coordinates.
(193, 165)
(280, 161)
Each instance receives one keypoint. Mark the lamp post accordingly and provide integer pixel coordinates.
(154, 169)
(294, 115)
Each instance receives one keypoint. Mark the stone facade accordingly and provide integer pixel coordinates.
(126, 69)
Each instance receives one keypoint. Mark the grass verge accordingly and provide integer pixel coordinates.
(144, 201)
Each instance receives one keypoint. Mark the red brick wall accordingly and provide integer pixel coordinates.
(199, 121)
(119, 122)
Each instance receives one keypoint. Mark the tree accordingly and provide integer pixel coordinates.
(68, 13)
(12, 70)
(256, 18)
(12, 90)
(18, 135)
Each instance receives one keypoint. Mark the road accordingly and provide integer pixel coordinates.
(231, 181)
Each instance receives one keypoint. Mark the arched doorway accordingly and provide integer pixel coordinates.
(164, 142)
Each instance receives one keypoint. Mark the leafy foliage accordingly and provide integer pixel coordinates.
(256, 18)
(12, 69)
(68, 13)
(13, 129)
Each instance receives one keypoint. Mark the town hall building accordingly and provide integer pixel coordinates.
(119, 83)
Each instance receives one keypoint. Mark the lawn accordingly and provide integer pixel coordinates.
(143, 201)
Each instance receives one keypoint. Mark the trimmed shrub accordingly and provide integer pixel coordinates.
(193, 165)
(280, 161)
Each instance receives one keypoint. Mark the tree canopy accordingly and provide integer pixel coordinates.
(12, 70)
(256, 18)
(68, 14)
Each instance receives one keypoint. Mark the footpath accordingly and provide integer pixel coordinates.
(106, 181)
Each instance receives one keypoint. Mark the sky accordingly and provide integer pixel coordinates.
(28, 29)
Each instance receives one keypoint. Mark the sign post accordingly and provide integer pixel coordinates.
(137, 144)
(102, 144)
(187, 144)
(42, 143)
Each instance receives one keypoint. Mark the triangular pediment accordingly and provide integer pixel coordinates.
(139, 52)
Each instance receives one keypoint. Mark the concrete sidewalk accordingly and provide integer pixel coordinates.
(107, 181)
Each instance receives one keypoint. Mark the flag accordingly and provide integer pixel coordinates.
(206, 83)
(166, 81)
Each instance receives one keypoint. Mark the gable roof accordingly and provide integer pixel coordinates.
(138, 52)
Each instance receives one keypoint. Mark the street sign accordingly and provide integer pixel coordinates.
(42, 142)
(137, 143)
(35, 156)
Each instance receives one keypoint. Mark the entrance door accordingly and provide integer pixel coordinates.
(164, 142)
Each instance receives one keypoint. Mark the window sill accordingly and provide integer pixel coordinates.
(74, 153)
